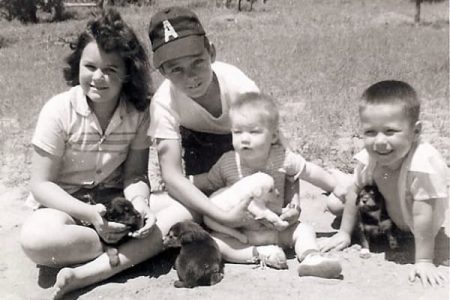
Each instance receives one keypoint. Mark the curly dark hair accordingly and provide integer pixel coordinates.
(112, 34)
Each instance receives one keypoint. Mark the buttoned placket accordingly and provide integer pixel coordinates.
(115, 122)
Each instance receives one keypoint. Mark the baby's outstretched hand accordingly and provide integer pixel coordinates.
(427, 273)
(338, 241)
(290, 214)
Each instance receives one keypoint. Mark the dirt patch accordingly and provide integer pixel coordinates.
(383, 276)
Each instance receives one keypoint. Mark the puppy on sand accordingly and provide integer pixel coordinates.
(200, 261)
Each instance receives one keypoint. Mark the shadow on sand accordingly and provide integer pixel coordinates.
(152, 268)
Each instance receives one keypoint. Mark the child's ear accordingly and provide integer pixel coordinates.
(275, 137)
(417, 130)
(212, 52)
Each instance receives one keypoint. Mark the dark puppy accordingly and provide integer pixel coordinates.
(373, 219)
(200, 261)
(120, 210)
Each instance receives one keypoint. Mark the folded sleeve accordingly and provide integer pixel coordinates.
(50, 134)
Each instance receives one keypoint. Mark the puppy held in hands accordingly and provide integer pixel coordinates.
(200, 261)
(373, 219)
(120, 210)
(259, 187)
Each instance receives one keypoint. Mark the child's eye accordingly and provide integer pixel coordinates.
(370, 133)
(391, 132)
(109, 71)
(199, 63)
(90, 67)
(175, 70)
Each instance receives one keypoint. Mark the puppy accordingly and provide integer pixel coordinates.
(373, 219)
(259, 187)
(200, 261)
(120, 210)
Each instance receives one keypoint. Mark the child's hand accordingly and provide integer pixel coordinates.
(290, 214)
(148, 218)
(110, 232)
(338, 241)
(147, 226)
(238, 215)
(427, 273)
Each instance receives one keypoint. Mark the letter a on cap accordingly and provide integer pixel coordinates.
(169, 31)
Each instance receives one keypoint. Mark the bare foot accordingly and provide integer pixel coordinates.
(66, 281)
(113, 256)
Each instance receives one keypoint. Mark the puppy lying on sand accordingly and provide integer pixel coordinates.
(200, 261)
(259, 187)
(373, 219)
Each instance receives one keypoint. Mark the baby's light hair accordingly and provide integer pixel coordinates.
(261, 105)
(393, 92)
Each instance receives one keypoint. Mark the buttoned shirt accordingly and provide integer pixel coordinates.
(68, 128)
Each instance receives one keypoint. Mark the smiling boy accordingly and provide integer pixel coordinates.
(189, 111)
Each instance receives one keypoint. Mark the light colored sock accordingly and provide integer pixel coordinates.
(314, 264)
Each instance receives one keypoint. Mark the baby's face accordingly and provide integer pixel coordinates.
(388, 134)
(191, 74)
(252, 138)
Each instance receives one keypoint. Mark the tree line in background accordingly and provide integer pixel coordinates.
(26, 11)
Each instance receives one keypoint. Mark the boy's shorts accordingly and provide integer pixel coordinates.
(202, 150)
(97, 195)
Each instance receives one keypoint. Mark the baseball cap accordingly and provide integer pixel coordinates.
(175, 32)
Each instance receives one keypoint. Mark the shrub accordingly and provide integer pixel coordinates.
(26, 10)
(23, 10)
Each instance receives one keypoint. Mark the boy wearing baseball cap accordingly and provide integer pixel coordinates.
(189, 111)
(189, 114)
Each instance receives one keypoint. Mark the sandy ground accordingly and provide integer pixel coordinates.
(383, 276)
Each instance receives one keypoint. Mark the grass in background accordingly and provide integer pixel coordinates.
(315, 57)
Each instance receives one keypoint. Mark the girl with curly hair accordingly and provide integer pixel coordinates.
(90, 146)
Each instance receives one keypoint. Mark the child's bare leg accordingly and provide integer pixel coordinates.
(130, 253)
(312, 263)
(236, 252)
(52, 238)
(334, 205)
(233, 250)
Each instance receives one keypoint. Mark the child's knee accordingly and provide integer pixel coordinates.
(173, 214)
(303, 231)
(335, 205)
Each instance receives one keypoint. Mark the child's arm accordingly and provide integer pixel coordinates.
(169, 154)
(291, 210)
(342, 238)
(321, 178)
(424, 243)
(45, 170)
(201, 182)
(137, 189)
